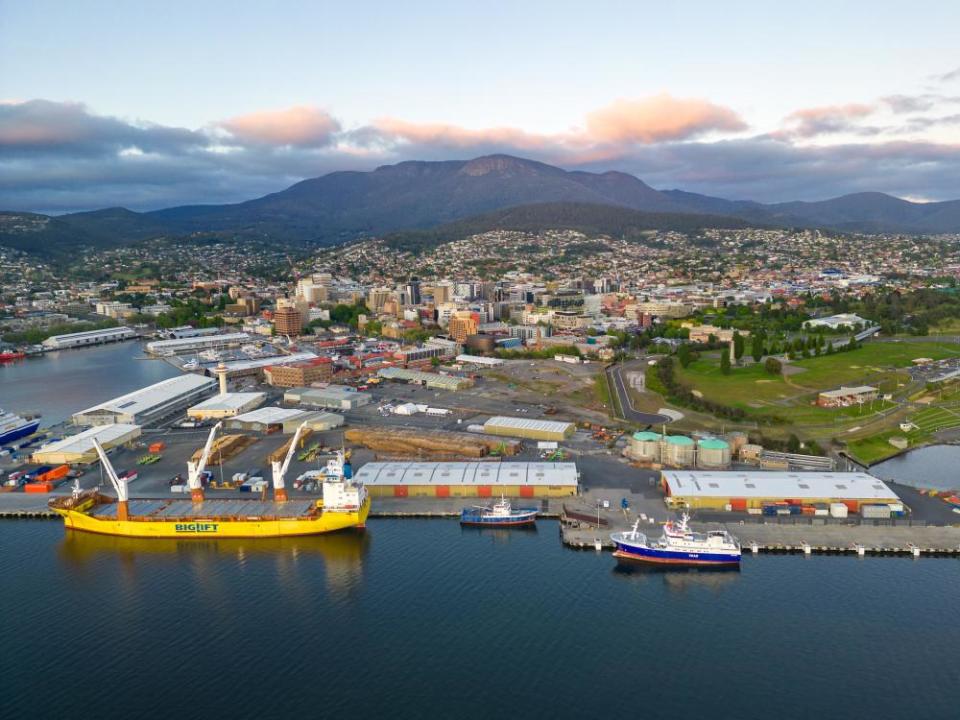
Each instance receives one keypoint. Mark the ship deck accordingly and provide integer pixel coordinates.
(176, 509)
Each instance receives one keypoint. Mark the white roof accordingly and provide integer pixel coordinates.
(196, 341)
(336, 392)
(229, 401)
(468, 473)
(83, 442)
(268, 361)
(268, 415)
(105, 332)
(760, 484)
(844, 391)
(149, 397)
(528, 424)
(479, 360)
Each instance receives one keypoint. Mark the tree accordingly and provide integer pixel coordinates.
(756, 347)
(793, 444)
(435, 361)
(773, 366)
(684, 355)
(738, 344)
(725, 362)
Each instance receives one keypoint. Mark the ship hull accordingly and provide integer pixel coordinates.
(213, 526)
(19, 432)
(468, 519)
(662, 556)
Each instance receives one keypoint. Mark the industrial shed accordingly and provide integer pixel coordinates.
(528, 428)
(337, 397)
(266, 419)
(79, 449)
(316, 421)
(469, 479)
(434, 381)
(226, 405)
(149, 404)
(743, 490)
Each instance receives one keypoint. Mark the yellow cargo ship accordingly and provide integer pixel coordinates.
(345, 504)
(240, 518)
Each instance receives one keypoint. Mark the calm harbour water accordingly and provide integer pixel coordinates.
(420, 619)
(937, 466)
(64, 382)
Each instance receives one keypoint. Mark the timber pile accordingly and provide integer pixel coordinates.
(281, 452)
(430, 443)
(224, 448)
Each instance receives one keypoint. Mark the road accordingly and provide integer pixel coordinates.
(615, 377)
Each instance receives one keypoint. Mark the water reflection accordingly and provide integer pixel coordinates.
(680, 579)
(498, 535)
(341, 555)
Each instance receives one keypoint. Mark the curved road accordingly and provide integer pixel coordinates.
(615, 379)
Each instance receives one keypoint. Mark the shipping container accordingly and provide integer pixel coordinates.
(838, 510)
(738, 504)
(38, 487)
(158, 446)
(875, 512)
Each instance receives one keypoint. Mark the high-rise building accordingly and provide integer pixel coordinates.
(287, 321)
(462, 324)
(412, 291)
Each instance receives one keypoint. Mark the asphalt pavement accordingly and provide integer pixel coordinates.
(615, 376)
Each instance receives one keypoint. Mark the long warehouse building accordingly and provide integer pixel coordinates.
(743, 490)
(193, 344)
(469, 479)
(149, 404)
(529, 428)
(79, 449)
(88, 338)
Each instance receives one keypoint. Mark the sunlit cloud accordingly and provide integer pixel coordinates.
(300, 126)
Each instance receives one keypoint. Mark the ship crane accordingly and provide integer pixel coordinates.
(119, 484)
(195, 469)
(280, 469)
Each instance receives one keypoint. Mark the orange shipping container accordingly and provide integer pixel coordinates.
(484, 491)
(852, 505)
(443, 491)
(157, 447)
(738, 504)
(38, 487)
(526, 491)
(55, 474)
(399, 490)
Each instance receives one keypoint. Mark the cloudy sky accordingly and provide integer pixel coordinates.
(151, 104)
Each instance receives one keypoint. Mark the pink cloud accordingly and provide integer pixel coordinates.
(825, 120)
(301, 126)
(460, 137)
(659, 118)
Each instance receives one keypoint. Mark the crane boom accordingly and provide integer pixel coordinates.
(119, 484)
(280, 470)
(195, 470)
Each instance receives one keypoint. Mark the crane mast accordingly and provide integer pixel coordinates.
(119, 485)
(280, 470)
(195, 469)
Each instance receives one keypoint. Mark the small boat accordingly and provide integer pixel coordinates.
(678, 545)
(11, 356)
(500, 514)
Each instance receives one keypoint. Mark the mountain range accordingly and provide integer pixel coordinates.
(470, 194)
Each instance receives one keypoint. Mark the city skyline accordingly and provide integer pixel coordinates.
(98, 109)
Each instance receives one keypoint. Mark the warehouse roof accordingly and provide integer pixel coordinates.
(451, 382)
(151, 396)
(479, 360)
(468, 473)
(269, 415)
(229, 401)
(794, 485)
(844, 391)
(528, 424)
(105, 332)
(239, 365)
(337, 392)
(196, 341)
(83, 442)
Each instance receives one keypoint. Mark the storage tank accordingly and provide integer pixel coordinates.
(713, 453)
(678, 451)
(737, 440)
(644, 446)
(751, 453)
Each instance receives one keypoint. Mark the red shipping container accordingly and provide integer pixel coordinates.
(484, 491)
(526, 491)
(157, 447)
(38, 487)
(443, 491)
(738, 504)
(399, 490)
(852, 505)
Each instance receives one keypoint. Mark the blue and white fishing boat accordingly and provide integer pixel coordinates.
(678, 545)
(500, 514)
(13, 427)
